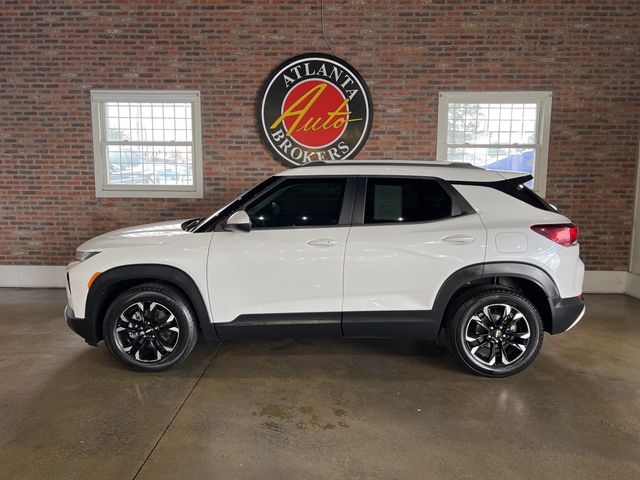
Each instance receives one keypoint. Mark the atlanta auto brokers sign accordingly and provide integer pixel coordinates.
(315, 107)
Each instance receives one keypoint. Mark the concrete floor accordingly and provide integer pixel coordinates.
(316, 409)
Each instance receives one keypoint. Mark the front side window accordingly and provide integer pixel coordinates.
(400, 200)
(299, 203)
(506, 131)
(147, 143)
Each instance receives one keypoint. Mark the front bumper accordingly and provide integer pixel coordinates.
(566, 313)
(85, 327)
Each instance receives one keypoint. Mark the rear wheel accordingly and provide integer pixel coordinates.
(497, 332)
(150, 328)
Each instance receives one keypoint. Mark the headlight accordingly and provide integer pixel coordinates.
(82, 256)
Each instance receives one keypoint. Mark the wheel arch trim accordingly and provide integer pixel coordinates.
(102, 288)
(466, 276)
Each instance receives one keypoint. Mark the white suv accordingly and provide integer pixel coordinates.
(341, 249)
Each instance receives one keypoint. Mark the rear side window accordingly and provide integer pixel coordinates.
(405, 200)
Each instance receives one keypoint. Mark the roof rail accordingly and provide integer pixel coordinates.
(426, 163)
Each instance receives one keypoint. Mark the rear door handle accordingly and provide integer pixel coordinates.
(322, 242)
(458, 239)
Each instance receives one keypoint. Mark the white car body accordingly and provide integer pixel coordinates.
(345, 277)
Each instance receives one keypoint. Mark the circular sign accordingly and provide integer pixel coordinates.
(315, 107)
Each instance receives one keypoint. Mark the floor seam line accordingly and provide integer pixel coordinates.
(215, 354)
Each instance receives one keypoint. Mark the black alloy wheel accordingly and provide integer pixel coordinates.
(150, 327)
(495, 332)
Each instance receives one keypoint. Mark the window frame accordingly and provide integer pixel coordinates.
(543, 125)
(98, 117)
(353, 203)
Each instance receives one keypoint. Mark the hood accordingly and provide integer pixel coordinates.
(149, 234)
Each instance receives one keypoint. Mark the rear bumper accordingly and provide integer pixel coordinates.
(566, 313)
(85, 327)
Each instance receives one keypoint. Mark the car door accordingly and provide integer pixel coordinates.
(284, 277)
(409, 235)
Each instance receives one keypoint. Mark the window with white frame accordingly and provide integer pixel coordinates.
(147, 143)
(506, 131)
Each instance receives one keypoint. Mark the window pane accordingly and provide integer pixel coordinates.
(136, 164)
(149, 165)
(299, 202)
(489, 123)
(405, 200)
(148, 122)
(506, 159)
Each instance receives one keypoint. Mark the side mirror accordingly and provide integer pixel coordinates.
(239, 221)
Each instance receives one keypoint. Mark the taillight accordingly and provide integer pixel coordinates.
(565, 234)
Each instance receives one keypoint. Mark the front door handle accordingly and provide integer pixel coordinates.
(458, 239)
(322, 242)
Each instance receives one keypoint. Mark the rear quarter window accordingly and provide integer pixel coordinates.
(523, 193)
(516, 188)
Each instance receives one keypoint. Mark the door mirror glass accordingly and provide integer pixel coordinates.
(239, 221)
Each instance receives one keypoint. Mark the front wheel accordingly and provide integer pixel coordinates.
(150, 328)
(495, 333)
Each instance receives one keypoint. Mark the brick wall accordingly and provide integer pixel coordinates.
(53, 53)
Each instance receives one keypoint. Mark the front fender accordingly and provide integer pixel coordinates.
(114, 281)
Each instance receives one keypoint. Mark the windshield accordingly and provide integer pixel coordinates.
(206, 224)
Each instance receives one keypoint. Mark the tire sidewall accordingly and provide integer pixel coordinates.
(177, 306)
(472, 306)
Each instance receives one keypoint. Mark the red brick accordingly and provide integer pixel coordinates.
(53, 53)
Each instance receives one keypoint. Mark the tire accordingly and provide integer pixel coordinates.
(499, 344)
(150, 328)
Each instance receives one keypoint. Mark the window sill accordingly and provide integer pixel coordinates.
(148, 194)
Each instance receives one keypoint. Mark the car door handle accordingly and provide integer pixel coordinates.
(458, 239)
(322, 242)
